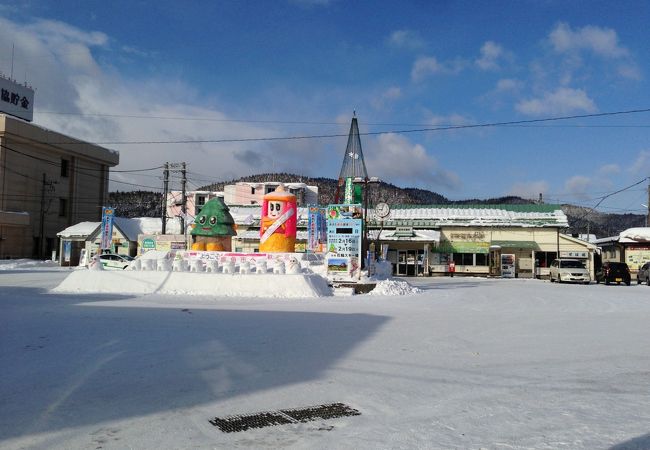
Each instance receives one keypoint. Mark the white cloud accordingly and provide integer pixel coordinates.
(451, 120)
(600, 41)
(99, 105)
(592, 40)
(630, 71)
(642, 163)
(406, 39)
(561, 101)
(609, 169)
(580, 187)
(388, 96)
(426, 66)
(493, 56)
(530, 190)
(397, 160)
(509, 85)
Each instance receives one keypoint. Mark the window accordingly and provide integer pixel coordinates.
(252, 190)
(63, 207)
(200, 200)
(544, 259)
(464, 259)
(471, 259)
(64, 167)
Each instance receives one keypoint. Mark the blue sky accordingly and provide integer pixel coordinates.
(124, 73)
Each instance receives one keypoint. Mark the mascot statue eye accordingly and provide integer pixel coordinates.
(202, 220)
(213, 220)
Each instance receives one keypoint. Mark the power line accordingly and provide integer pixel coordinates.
(299, 122)
(371, 133)
(82, 171)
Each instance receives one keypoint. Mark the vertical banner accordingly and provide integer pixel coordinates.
(316, 230)
(67, 250)
(349, 191)
(107, 228)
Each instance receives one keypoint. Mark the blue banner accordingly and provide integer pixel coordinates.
(107, 228)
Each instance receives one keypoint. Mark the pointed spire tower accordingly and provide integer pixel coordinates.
(353, 167)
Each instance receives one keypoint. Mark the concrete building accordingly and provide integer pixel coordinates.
(48, 181)
(249, 193)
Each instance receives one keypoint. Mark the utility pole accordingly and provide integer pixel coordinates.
(183, 197)
(164, 200)
(41, 236)
(647, 217)
(44, 209)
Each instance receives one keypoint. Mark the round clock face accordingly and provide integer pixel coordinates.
(382, 209)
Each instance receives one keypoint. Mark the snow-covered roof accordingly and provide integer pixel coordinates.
(477, 215)
(82, 229)
(641, 234)
(130, 227)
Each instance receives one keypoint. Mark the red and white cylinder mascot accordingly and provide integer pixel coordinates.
(278, 224)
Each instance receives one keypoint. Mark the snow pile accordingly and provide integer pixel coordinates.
(394, 287)
(192, 283)
(16, 264)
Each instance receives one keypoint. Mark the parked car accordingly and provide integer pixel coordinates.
(643, 275)
(613, 272)
(111, 261)
(569, 270)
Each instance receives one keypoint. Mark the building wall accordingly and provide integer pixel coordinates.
(32, 180)
(193, 205)
(244, 193)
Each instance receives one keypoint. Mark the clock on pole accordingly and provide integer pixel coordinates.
(382, 210)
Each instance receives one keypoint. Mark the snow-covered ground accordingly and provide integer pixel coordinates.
(460, 363)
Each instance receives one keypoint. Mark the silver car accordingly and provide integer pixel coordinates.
(569, 270)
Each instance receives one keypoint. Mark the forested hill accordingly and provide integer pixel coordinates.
(581, 220)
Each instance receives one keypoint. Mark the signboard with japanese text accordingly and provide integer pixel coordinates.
(16, 99)
(344, 227)
(344, 237)
(107, 228)
(574, 254)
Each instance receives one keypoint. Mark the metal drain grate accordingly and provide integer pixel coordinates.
(232, 424)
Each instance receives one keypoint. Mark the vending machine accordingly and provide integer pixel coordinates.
(507, 266)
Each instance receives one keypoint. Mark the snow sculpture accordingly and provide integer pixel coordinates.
(278, 224)
(179, 265)
(260, 266)
(245, 267)
(95, 263)
(229, 267)
(212, 265)
(163, 265)
(196, 265)
(213, 227)
(136, 264)
(278, 267)
(293, 266)
(148, 264)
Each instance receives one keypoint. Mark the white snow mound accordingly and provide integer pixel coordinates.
(394, 287)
